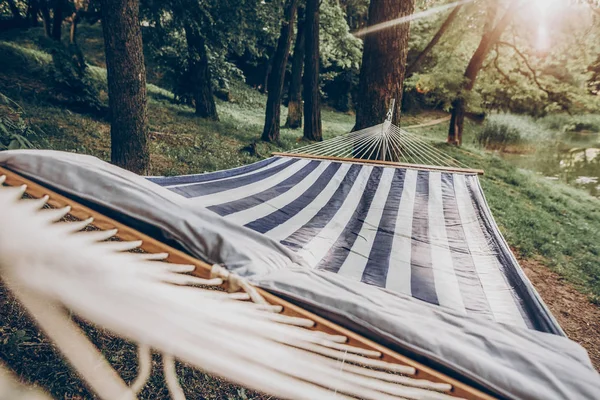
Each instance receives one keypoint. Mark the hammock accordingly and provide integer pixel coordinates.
(373, 279)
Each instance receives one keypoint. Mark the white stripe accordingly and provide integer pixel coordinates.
(262, 210)
(497, 292)
(446, 283)
(354, 265)
(318, 247)
(304, 216)
(399, 271)
(256, 171)
(249, 190)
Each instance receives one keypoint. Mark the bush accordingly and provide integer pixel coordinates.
(504, 130)
(572, 123)
(14, 130)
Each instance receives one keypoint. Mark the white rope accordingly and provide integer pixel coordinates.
(171, 378)
(145, 368)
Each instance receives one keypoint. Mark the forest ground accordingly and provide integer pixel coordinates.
(554, 229)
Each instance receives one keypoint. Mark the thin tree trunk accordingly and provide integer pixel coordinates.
(34, 10)
(412, 68)
(57, 20)
(294, 118)
(46, 17)
(312, 106)
(383, 64)
(126, 84)
(73, 31)
(199, 71)
(280, 58)
(489, 38)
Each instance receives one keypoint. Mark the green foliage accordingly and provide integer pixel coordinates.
(14, 129)
(503, 130)
(70, 76)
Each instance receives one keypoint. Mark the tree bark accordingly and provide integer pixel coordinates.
(199, 73)
(46, 17)
(312, 100)
(75, 18)
(383, 64)
(126, 77)
(294, 118)
(33, 11)
(57, 19)
(276, 79)
(490, 37)
(414, 67)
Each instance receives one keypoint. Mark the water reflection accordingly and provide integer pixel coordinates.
(575, 161)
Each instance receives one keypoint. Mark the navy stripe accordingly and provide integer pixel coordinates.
(198, 178)
(339, 251)
(376, 270)
(474, 297)
(519, 290)
(422, 281)
(280, 216)
(266, 195)
(203, 189)
(298, 239)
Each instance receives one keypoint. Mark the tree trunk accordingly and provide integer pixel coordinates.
(33, 11)
(126, 77)
(294, 118)
(57, 20)
(280, 58)
(312, 106)
(73, 31)
(490, 37)
(414, 67)
(199, 72)
(46, 17)
(383, 64)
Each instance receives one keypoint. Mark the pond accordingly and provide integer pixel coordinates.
(573, 158)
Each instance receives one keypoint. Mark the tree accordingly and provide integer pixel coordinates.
(490, 37)
(384, 62)
(57, 19)
(199, 73)
(312, 106)
(276, 78)
(416, 64)
(294, 117)
(126, 77)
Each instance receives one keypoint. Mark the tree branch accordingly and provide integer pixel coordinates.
(529, 67)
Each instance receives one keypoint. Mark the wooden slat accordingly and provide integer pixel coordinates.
(385, 163)
(459, 389)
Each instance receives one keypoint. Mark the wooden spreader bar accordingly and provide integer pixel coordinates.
(203, 270)
(384, 163)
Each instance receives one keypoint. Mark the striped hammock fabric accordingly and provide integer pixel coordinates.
(427, 234)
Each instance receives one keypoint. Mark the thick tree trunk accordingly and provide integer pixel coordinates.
(57, 19)
(279, 62)
(383, 64)
(490, 37)
(414, 67)
(126, 84)
(294, 118)
(312, 100)
(199, 72)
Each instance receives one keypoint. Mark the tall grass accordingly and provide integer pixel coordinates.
(504, 131)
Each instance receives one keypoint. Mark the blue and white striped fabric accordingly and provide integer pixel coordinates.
(426, 234)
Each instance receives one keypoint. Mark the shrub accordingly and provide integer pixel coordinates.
(504, 130)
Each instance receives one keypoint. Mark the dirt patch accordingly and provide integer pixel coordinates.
(579, 318)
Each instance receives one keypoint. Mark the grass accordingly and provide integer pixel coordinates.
(539, 218)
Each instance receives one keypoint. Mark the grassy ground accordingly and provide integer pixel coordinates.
(552, 223)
